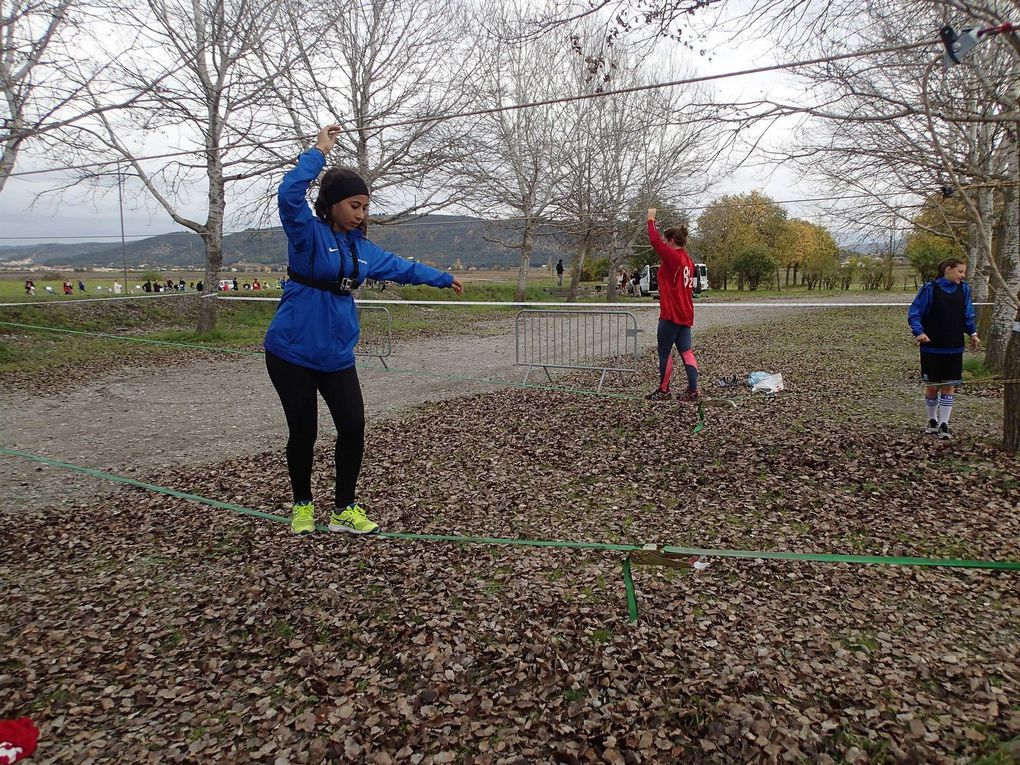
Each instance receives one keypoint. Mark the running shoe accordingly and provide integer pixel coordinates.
(658, 395)
(352, 521)
(691, 396)
(933, 427)
(302, 518)
(944, 432)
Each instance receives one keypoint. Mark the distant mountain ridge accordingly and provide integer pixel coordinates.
(442, 239)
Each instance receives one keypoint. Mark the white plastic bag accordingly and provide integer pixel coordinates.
(771, 384)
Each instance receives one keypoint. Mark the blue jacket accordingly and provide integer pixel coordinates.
(919, 309)
(312, 327)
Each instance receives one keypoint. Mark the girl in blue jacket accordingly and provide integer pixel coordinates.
(310, 342)
(939, 316)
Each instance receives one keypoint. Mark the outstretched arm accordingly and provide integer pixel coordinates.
(389, 267)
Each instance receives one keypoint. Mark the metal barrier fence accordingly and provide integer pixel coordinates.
(376, 338)
(603, 341)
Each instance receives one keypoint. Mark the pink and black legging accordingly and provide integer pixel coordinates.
(669, 334)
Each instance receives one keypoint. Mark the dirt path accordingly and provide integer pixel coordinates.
(137, 421)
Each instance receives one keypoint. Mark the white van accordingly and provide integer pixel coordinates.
(649, 282)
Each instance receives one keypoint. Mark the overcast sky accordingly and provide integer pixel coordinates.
(26, 219)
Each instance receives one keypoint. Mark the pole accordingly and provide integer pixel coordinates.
(123, 245)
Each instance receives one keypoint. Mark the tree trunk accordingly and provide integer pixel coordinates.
(977, 268)
(575, 274)
(212, 237)
(522, 273)
(1011, 399)
(614, 267)
(1007, 257)
(8, 154)
(213, 266)
(1011, 367)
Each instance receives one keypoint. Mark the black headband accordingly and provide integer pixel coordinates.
(342, 187)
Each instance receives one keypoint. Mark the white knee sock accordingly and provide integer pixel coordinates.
(945, 407)
(932, 405)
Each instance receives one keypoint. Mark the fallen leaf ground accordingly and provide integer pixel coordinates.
(152, 629)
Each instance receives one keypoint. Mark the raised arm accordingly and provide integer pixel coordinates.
(295, 215)
(669, 255)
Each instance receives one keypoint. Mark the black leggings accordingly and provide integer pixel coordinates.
(341, 391)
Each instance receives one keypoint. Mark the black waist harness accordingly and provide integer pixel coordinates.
(336, 286)
(339, 286)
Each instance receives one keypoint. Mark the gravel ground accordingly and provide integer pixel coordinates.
(139, 421)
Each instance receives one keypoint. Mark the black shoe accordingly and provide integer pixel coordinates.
(659, 395)
(944, 432)
(933, 427)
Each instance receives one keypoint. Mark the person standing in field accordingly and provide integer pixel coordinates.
(310, 342)
(676, 309)
(940, 316)
(559, 272)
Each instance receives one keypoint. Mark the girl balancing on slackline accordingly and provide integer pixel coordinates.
(676, 309)
(310, 342)
(939, 316)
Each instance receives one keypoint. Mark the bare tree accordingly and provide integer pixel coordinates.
(402, 63)
(896, 124)
(214, 61)
(626, 21)
(27, 31)
(513, 161)
(627, 150)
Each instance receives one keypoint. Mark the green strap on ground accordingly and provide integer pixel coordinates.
(628, 579)
(132, 338)
(411, 372)
(1007, 565)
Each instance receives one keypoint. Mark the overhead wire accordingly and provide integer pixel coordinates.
(517, 107)
(482, 221)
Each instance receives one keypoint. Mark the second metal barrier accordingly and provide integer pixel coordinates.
(600, 341)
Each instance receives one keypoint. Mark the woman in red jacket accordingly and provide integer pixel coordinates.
(676, 308)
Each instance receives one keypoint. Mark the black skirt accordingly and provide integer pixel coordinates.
(942, 368)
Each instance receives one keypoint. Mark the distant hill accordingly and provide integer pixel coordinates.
(442, 239)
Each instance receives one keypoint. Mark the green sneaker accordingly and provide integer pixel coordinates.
(302, 518)
(352, 521)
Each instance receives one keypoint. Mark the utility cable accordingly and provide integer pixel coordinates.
(529, 105)
(416, 223)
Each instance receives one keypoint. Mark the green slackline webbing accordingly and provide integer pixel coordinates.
(698, 427)
(130, 338)
(628, 586)
(459, 378)
(602, 546)
(412, 372)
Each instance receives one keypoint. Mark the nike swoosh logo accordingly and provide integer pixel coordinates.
(363, 261)
(334, 249)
